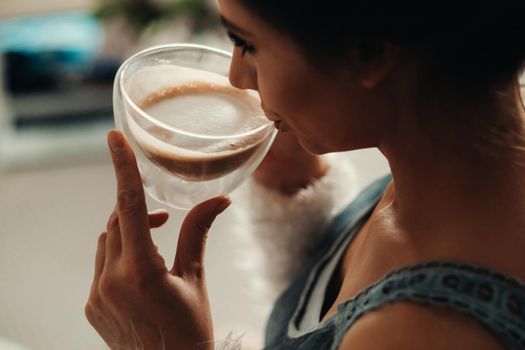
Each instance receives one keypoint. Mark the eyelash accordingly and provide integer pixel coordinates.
(238, 42)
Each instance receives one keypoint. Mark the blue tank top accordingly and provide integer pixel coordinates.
(495, 300)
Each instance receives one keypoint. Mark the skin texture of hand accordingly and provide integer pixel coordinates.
(288, 167)
(135, 301)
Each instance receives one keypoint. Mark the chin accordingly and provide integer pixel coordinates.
(313, 148)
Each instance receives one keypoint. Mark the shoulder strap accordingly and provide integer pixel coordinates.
(490, 297)
(368, 197)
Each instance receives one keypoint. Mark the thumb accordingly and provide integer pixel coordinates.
(189, 259)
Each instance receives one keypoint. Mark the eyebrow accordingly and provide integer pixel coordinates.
(229, 25)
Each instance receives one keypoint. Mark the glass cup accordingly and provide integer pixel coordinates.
(194, 135)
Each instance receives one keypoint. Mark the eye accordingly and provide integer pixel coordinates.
(243, 44)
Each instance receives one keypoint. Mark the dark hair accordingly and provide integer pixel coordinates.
(478, 42)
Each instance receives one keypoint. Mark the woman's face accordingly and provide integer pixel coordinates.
(327, 109)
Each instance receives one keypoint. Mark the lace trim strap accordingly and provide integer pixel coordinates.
(490, 297)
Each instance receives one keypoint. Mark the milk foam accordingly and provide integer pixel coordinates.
(197, 102)
(208, 113)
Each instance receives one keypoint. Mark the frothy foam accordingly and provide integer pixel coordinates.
(205, 109)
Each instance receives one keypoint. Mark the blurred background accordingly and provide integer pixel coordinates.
(58, 59)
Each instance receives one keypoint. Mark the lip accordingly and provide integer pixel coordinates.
(280, 125)
(275, 118)
(272, 116)
(269, 114)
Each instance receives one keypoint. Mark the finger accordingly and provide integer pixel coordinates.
(100, 256)
(132, 212)
(114, 240)
(158, 218)
(189, 259)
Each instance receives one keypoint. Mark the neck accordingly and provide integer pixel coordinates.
(448, 183)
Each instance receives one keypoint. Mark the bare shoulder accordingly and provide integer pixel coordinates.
(407, 326)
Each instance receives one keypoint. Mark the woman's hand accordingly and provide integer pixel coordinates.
(135, 301)
(288, 167)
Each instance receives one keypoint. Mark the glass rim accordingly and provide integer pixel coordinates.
(176, 47)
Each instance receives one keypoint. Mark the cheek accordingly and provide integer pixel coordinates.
(313, 106)
(285, 93)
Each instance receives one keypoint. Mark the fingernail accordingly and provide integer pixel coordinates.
(223, 205)
(158, 211)
(115, 141)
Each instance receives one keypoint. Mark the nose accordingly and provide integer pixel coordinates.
(242, 74)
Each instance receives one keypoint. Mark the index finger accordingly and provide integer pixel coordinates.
(132, 211)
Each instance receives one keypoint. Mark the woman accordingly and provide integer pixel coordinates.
(431, 258)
